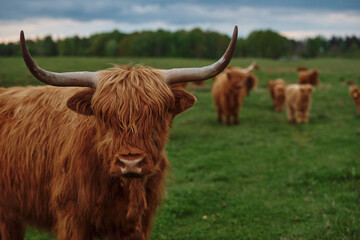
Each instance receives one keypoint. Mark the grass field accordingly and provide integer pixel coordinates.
(263, 179)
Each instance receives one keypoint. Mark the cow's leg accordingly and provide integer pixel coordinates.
(299, 116)
(11, 228)
(276, 105)
(282, 107)
(306, 117)
(359, 109)
(290, 113)
(69, 227)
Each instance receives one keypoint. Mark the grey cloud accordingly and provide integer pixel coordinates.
(85, 10)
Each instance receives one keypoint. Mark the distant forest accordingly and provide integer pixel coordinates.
(188, 44)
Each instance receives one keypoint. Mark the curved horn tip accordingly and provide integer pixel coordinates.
(236, 29)
(22, 35)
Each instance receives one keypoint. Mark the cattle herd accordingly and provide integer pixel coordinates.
(233, 84)
(85, 158)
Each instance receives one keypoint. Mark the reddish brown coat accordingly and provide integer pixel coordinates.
(298, 102)
(309, 77)
(228, 91)
(59, 168)
(355, 95)
(277, 93)
(301, 68)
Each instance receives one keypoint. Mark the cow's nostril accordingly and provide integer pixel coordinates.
(120, 163)
(141, 163)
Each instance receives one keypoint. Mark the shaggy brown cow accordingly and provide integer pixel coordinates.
(355, 95)
(199, 83)
(89, 162)
(301, 68)
(179, 85)
(309, 77)
(228, 91)
(251, 81)
(277, 93)
(298, 101)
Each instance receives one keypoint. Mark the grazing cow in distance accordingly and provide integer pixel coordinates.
(277, 93)
(309, 77)
(298, 102)
(301, 68)
(179, 85)
(355, 95)
(87, 160)
(199, 83)
(228, 91)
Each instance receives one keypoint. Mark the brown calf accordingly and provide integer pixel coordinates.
(309, 77)
(355, 95)
(277, 93)
(298, 101)
(301, 68)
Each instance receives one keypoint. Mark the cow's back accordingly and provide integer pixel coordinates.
(35, 133)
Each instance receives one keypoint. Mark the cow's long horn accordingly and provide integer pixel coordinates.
(80, 79)
(178, 75)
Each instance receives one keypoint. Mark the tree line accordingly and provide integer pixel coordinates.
(195, 43)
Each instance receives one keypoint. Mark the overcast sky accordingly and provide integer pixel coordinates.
(294, 19)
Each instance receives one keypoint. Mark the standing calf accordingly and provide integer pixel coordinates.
(309, 77)
(277, 93)
(355, 95)
(228, 91)
(298, 101)
(88, 160)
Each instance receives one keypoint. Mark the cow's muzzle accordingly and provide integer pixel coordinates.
(131, 165)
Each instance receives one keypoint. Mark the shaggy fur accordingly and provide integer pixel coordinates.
(298, 101)
(181, 85)
(199, 83)
(251, 83)
(309, 77)
(277, 93)
(228, 91)
(58, 167)
(355, 95)
(301, 68)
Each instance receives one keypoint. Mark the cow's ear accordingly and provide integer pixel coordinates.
(228, 74)
(183, 101)
(81, 102)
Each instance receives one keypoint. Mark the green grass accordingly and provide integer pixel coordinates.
(263, 179)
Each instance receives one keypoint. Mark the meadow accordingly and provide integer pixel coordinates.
(263, 179)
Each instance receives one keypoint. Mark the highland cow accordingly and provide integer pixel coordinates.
(301, 68)
(355, 95)
(199, 83)
(88, 160)
(228, 91)
(309, 77)
(298, 102)
(179, 85)
(277, 93)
